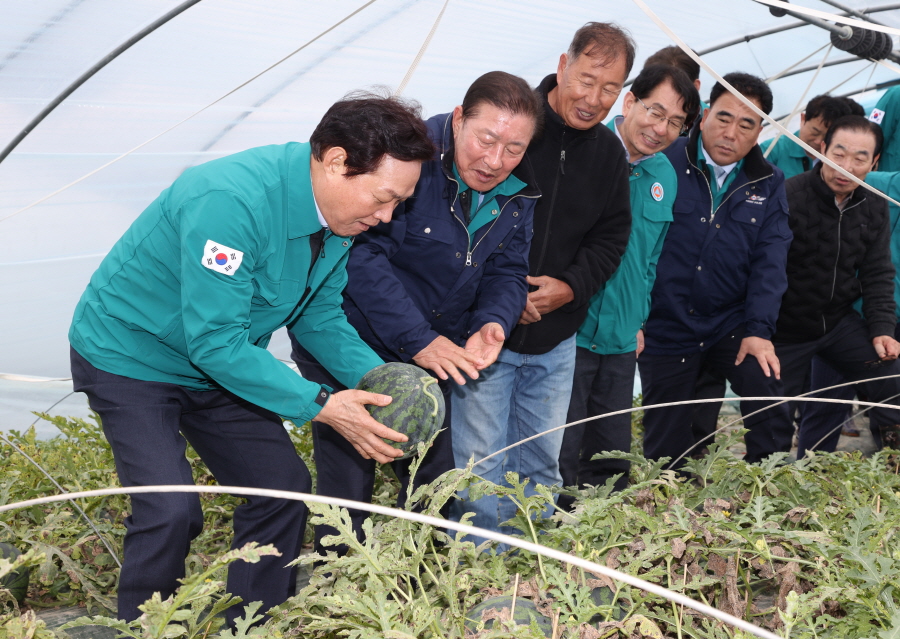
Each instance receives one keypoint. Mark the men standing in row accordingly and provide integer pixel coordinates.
(661, 104)
(720, 277)
(841, 252)
(819, 114)
(582, 223)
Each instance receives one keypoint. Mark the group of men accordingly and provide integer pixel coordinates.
(517, 248)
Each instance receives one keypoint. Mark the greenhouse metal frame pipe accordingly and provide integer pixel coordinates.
(788, 27)
(112, 55)
(779, 29)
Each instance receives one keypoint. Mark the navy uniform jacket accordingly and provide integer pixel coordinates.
(423, 276)
(720, 269)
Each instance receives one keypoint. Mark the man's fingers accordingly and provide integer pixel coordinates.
(776, 365)
(740, 356)
(764, 364)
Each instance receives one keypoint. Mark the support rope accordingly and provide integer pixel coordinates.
(422, 50)
(436, 522)
(801, 103)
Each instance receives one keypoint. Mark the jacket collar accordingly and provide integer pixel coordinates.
(552, 120)
(756, 167)
(827, 195)
(523, 171)
(301, 205)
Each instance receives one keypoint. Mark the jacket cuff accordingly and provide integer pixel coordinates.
(879, 328)
(410, 349)
(758, 329)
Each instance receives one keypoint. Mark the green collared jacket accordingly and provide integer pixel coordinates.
(192, 292)
(620, 308)
(787, 156)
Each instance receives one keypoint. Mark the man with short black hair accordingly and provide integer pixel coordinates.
(841, 253)
(661, 104)
(819, 114)
(720, 276)
(169, 339)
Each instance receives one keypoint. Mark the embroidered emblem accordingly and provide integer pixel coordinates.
(220, 258)
(876, 116)
(657, 191)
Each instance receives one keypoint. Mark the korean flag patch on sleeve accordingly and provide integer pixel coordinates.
(218, 257)
(876, 116)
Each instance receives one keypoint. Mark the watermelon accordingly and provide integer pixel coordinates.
(525, 613)
(17, 580)
(417, 409)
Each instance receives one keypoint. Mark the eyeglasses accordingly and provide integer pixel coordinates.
(676, 124)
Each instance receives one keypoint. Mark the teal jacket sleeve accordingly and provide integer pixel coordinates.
(323, 330)
(216, 308)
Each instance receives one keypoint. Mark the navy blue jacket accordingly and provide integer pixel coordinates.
(720, 269)
(413, 279)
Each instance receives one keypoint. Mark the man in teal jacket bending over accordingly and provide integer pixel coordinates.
(169, 339)
(662, 103)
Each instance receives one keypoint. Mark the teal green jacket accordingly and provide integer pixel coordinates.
(788, 156)
(619, 309)
(889, 184)
(887, 114)
(191, 293)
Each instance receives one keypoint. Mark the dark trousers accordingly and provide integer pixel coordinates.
(342, 472)
(147, 424)
(821, 423)
(710, 385)
(602, 384)
(849, 351)
(673, 378)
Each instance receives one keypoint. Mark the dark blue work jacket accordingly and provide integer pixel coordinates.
(422, 275)
(720, 268)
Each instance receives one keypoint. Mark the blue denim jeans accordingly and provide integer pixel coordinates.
(516, 397)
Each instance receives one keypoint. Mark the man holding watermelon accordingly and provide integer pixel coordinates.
(169, 339)
(444, 283)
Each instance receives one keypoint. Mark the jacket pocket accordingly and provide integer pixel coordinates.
(432, 229)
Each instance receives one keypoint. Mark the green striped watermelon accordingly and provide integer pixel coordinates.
(525, 613)
(16, 581)
(417, 409)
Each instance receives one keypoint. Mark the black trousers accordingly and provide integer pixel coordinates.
(602, 384)
(342, 472)
(147, 424)
(848, 349)
(673, 378)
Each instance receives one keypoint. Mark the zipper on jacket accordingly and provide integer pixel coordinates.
(486, 233)
(712, 211)
(837, 259)
(540, 262)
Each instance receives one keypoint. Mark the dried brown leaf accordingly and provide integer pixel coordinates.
(678, 547)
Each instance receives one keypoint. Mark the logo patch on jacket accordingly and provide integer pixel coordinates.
(876, 116)
(220, 258)
(756, 199)
(657, 191)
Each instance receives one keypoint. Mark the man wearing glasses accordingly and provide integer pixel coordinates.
(720, 278)
(662, 103)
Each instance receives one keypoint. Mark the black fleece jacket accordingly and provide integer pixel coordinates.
(581, 223)
(836, 257)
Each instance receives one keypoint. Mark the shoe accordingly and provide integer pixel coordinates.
(850, 430)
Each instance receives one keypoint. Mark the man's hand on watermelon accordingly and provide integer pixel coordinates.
(346, 412)
(549, 295)
(446, 359)
(486, 343)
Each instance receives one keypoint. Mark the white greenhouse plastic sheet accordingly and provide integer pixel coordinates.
(48, 252)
